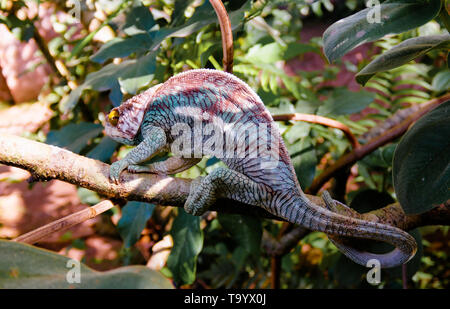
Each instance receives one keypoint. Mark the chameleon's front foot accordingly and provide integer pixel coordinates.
(116, 169)
(198, 201)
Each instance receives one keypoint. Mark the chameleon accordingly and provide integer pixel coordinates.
(201, 99)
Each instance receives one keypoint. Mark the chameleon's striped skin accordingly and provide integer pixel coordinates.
(216, 97)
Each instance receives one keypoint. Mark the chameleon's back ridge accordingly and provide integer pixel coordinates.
(212, 113)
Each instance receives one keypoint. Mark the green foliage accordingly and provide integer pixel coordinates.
(134, 218)
(74, 137)
(441, 82)
(25, 266)
(343, 101)
(187, 244)
(403, 53)
(245, 231)
(421, 162)
(395, 16)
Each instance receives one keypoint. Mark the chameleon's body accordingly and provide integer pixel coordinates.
(214, 97)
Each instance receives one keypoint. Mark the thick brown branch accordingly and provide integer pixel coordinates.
(227, 34)
(359, 153)
(320, 120)
(50, 162)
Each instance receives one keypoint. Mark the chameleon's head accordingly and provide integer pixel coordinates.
(123, 122)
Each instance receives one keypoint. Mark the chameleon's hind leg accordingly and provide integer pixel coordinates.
(222, 183)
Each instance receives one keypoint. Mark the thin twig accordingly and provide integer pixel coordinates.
(64, 223)
(45, 52)
(227, 34)
(320, 120)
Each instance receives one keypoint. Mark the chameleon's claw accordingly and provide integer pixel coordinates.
(193, 205)
(116, 169)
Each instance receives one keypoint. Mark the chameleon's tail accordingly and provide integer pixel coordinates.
(321, 219)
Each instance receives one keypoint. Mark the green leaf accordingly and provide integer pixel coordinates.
(127, 76)
(26, 267)
(441, 82)
(139, 20)
(87, 196)
(304, 160)
(122, 47)
(297, 131)
(246, 231)
(187, 243)
(104, 150)
(403, 53)
(396, 16)
(23, 30)
(343, 102)
(273, 52)
(134, 218)
(138, 23)
(74, 136)
(421, 168)
(268, 53)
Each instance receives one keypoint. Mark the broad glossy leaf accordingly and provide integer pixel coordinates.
(139, 20)
(74, 136)
(104, 150)
(129, 75)
(343, 102)
(24, 266)
(421, 168)
(134, 218)
(441, 82)
(395, 16)
(123, 47)
(246, 231)
(138, 23)
(304, 159)
(187, 244)
(403, 53)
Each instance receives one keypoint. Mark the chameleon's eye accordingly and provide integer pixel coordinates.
(113, 117)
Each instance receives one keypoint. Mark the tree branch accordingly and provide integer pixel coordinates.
(50, 162)
(320, 120)
(227, 34)
(359, 153)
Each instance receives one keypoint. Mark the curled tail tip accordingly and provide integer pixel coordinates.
(347, 226)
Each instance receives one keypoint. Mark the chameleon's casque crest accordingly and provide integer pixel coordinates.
(130, 115)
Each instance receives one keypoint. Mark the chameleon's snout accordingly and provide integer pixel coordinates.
(113, 117)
